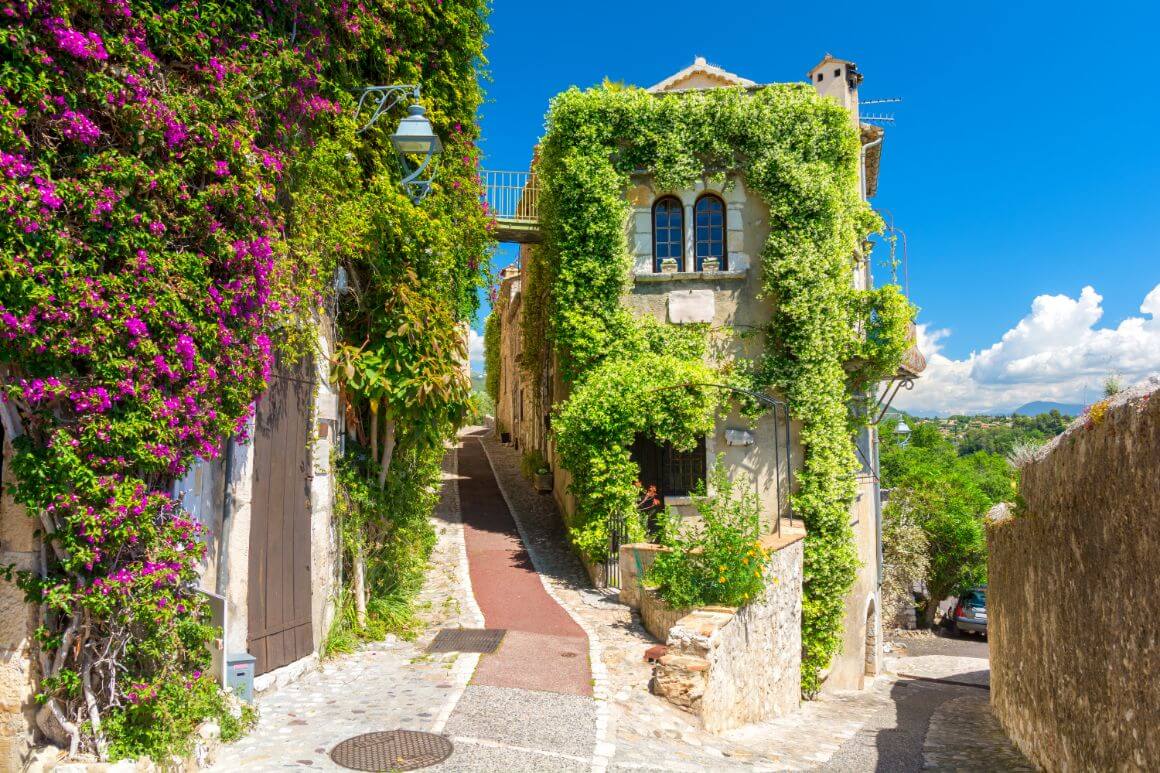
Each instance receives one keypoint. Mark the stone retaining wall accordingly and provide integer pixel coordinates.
(1074, 579)
(729, 666)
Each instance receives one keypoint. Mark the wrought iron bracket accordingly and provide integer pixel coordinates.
(887, 397)
(384, 99)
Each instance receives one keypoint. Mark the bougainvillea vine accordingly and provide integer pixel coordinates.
(152, 238)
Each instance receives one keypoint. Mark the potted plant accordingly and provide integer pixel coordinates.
(544, 480)
(669, 266)
(711, 265)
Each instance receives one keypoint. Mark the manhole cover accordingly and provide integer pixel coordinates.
(483, 640)
(394, 750)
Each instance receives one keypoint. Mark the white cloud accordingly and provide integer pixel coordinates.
(475, 351)
(1055, 353)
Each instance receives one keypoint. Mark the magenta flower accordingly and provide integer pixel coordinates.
(136, 327)
(77, 126)
(79, 44)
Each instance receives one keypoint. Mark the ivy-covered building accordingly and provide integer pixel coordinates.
(707, 274)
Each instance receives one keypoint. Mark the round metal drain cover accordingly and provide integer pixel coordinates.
(393, 750)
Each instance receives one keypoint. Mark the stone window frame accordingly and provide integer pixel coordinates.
(698, 260)
(640, 228)
(666, 199)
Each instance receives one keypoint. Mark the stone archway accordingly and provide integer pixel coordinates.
(871, 660)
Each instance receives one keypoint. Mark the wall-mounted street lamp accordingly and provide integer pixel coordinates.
(414, 139)
(902, 432)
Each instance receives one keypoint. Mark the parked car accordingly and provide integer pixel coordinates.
(970, 612)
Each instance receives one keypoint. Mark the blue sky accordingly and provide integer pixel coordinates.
(1024, 162)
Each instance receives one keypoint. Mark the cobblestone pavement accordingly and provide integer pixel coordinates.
(384, 685)
(394, 684)
(964, 735)
(651, 734)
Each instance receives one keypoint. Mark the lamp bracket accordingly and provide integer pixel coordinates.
(898, 382)
(384, 99)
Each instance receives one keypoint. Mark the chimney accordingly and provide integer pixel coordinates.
(838, 79)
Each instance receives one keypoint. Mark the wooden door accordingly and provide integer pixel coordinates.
(279, 591)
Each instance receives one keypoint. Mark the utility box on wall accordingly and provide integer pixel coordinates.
(240, 675)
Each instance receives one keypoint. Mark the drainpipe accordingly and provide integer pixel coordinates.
(877, 488)
(877, 502)
(223, 574)
(862, 165)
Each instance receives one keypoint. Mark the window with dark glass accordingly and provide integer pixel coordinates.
(673, 472)
(709, 217)
(668, 232)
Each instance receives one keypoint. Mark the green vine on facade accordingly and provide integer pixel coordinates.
(826, 342)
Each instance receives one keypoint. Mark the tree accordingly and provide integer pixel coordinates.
(946, 496)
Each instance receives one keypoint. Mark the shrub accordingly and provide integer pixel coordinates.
(532, 463)
(161, 722)
(720, 561)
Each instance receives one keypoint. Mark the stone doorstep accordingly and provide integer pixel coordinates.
(684, 662)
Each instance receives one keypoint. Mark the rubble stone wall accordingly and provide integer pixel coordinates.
(1074, 575)
(731, 666)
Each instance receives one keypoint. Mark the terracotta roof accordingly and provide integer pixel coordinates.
(704, 69)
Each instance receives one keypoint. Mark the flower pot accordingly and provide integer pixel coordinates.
(544, 482)
(711, 265)
(669, 266)
(505, 437)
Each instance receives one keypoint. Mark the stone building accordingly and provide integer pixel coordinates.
(270, 568)
(696, 258)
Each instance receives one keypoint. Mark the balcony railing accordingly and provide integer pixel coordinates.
(514, 199)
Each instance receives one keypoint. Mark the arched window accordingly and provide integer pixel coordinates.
(668, 232)
(709, 217)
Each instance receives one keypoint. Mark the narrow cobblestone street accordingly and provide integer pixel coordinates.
(500, 715)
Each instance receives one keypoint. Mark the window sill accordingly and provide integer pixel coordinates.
(678, 501)
(686, 276)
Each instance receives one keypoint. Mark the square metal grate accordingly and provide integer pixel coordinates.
(482, 640)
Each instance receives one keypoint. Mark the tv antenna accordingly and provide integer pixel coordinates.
(879, 117)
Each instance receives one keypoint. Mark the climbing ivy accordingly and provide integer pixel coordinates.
(825, 342)
(492, 357)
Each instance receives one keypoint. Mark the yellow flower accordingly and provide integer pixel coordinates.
(745, 561)
(721, 579)
(722, 567)
(756, 573)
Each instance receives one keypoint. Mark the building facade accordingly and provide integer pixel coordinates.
(696, 259)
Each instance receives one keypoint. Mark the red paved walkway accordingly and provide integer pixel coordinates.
(544, 649)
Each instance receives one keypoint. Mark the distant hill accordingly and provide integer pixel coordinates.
(1046, 406)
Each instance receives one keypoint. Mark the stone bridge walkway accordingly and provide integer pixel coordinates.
(568, 689)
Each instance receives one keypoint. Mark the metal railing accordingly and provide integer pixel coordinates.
(513, 196)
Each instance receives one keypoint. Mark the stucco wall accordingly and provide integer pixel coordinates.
(1074, 577)
(848, 668)
(18, 546)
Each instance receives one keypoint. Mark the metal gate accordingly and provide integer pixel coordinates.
(280, 630)
(618, 535)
